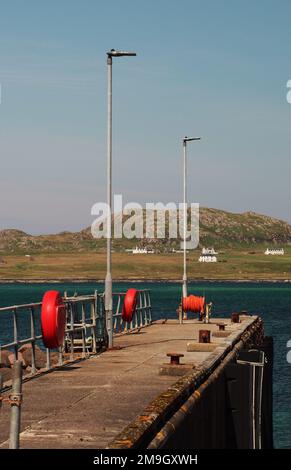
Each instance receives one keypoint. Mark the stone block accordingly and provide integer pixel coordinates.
(201, 347)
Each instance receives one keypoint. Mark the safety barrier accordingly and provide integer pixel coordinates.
(84, 315)
(141, 317)
(83, 334)
(85, 330)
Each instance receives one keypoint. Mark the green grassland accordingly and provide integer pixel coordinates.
(241, 240)
(233, 264)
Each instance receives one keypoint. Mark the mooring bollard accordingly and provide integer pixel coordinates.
(204, 336)
(235, 317)
(175, 358)
(15, 400)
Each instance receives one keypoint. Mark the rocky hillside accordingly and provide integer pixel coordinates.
(248, 228)
(218, 228)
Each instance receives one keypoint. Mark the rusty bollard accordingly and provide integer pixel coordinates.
(221, 326)
(175, 358)
(235, 318)
(175, 368)
(204, 336)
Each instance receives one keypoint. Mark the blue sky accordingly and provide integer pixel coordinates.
(214, 69)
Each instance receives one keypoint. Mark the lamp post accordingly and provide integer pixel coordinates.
(185, 140)
(108, 280)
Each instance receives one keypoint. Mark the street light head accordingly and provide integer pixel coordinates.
(189, 139)
(114, 53)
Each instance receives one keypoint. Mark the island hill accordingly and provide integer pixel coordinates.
(240, 239)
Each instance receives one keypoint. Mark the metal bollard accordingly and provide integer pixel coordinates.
(235, 318)
(15, 400)
(175, 358)
(204, 336)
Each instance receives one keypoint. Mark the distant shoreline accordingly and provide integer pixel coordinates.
(150, 281)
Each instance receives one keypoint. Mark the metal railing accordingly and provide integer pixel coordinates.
(85, 332)
(84, 320)
(14, 312)
(141, 317)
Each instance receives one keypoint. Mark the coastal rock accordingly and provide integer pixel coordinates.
(11, 358)
(54, 358)
(6, 373)
(40, 356)
(4, 358)
(24, 347)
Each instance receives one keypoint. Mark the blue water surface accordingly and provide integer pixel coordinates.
(270, 300)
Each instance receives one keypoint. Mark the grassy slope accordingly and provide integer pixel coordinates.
(77, 255)
(234, 264)
(219, 228)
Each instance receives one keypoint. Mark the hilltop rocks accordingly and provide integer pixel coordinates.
(217, 227)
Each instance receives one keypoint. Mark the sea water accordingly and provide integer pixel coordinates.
(272, 301)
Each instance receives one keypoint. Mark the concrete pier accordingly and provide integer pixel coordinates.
(123, 397)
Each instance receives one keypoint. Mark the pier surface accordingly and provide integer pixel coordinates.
(87, 404)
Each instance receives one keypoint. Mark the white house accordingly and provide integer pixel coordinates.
(279, 252)
(209, 251)
(207, 259)
(139, 251)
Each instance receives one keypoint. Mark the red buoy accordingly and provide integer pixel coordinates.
(194, 304)
(129, 305)
(53, 319)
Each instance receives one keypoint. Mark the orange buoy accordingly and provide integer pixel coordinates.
(53, 319)
(194, 304)
(129, 305)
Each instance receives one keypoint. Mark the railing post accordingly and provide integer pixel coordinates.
(32, 335)
(146, 307)
(48, 359)
(72, 332)
(141, 311)
(116, 317)
(149, 307)
(15, 333)
(15, 403)
(93, 311)
(125, 328)
(1, 386)
(83, 330)
(60, 356)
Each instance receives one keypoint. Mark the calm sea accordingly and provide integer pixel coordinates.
(271, 301)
